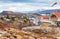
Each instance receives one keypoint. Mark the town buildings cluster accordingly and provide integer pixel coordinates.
(30, 27)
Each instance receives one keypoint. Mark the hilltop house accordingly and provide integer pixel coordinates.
(55, 16)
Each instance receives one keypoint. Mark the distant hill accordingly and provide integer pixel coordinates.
(17, 13)
(32, 13)
(46, 11)
(11, 13)
(49, 11)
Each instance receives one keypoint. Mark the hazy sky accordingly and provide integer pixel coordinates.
(27, 5)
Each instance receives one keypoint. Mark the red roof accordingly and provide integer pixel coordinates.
(45, 16)
(57, 14)
(38, 17)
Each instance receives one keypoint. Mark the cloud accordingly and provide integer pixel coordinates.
(20, 7)
(27, 5)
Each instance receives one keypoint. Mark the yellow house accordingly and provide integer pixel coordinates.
(55, 16)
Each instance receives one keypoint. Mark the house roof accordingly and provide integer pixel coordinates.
(38, 17)
(44, 17)
(57, 14)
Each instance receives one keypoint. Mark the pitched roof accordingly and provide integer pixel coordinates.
(45, 16)
(38, 17)
(57, 14)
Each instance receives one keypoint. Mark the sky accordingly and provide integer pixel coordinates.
(27, 5)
